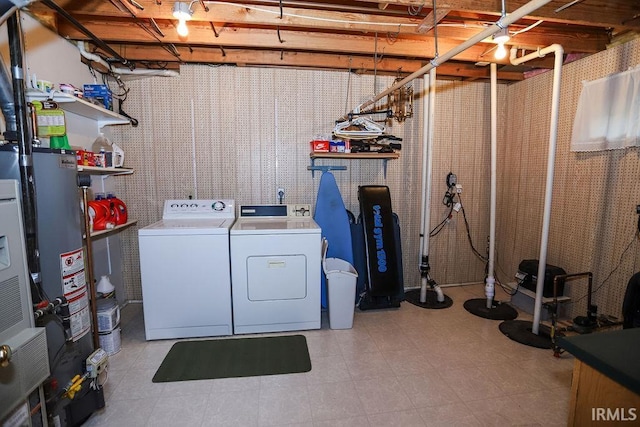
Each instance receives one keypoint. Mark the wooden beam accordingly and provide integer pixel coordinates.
(599, 13)
(263, 15)
(589, 40)
(128, 6)
(359, 64)
(268, 39)
(421, 47)
(47, 18)
(429, 21)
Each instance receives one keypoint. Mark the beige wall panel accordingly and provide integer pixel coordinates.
(461, 146)
(248, 130)
(240, 133)
(593, 221)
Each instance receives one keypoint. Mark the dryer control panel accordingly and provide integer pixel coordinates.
(276, 211)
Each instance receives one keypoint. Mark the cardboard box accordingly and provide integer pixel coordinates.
(337, 146)
(100, 93)
(319, 146)
(96, 90)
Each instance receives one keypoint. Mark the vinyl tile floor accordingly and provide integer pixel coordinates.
(396, 367)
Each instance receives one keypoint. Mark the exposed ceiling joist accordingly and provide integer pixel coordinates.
(396, 30)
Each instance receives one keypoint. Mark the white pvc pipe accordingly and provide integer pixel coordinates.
(489, 287)
(429, 118)
(135, 71)
(553, 134)
(425, 211)
(194, 160)
(503, 22)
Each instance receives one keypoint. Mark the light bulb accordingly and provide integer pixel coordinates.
(501, 52)
(183, 30)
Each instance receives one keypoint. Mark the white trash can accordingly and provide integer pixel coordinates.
(341, 292)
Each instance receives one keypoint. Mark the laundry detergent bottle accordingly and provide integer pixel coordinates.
(104, 213)
(119, 208)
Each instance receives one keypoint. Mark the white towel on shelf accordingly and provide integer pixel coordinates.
(608, 114)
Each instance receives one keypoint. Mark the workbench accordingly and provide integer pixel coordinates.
(606, 378)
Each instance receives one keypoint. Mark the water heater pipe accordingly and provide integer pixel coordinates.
(502, 23)
(93, 294)
(551, 157)
(489, 287)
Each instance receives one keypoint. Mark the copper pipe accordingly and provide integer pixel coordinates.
(89, 268)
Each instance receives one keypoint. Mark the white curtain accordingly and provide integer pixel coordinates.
(608, 115)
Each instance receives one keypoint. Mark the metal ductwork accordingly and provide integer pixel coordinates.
(7, 105)
(7, 7)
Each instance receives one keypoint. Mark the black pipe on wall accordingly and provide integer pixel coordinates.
(24, 138)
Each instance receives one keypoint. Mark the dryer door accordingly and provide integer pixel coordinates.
(275, 278)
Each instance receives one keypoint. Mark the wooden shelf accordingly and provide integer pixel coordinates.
(385, 156)
(110, 231)
(79, 106)
(95, 170)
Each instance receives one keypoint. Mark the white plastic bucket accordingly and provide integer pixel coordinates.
(108, 314)
(110, 341)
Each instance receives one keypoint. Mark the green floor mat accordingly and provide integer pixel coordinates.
(236, 357)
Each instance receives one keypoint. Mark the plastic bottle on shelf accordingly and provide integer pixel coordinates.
(105, 213)
(120, 209)
(105, 287)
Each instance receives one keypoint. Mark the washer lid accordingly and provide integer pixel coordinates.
(275, 226)
(175, 227)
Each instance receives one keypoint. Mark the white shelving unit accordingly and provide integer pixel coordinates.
(79, 106)
(84, 122)
(116, 229)
(103, 173)
(95, 170)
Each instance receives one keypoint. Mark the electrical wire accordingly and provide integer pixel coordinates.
(438, 228)
(466, 223)
(524, 30)
(448, 201)
(510, 291)
(636, 236)
(414, 10)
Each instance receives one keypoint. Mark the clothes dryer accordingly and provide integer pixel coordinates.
(185, 270)
(275, 269)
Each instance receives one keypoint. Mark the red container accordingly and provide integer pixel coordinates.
(103, 213)
(103, 216)
(85, 158)
(319, 146)
(119, 208)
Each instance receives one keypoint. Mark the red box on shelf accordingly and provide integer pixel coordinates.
(319, 146)
(85, 158)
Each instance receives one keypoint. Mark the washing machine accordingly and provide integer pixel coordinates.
(185, 270)
(275, 269)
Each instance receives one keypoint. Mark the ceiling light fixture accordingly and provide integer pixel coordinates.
(501, 37)
(182, 12)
